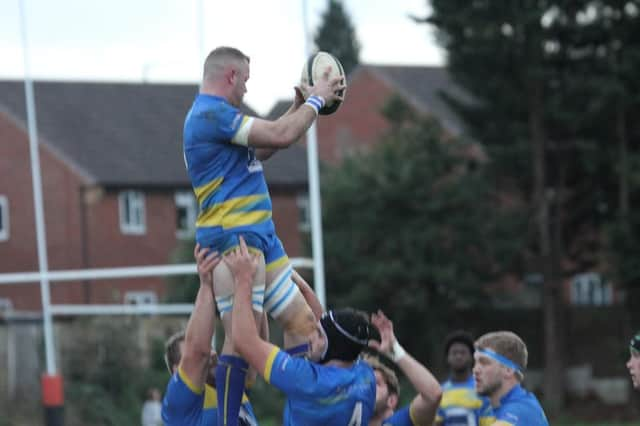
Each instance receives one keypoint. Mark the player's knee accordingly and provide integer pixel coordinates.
(298, 318)
(284, 302)
(279, 293)
(225, 303)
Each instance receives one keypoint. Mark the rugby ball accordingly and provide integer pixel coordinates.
(312, 71)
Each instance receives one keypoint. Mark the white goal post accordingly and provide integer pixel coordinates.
(118, 273)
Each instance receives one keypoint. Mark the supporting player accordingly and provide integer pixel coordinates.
(501, 358)
(331, 386)
(190, 398)
(422, 409)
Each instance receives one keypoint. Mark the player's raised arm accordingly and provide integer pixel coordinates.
(197, 342)
(265, 153)
(246, 339)
(424, 406)
(290, 127)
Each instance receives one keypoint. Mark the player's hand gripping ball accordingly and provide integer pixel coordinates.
(312, 71)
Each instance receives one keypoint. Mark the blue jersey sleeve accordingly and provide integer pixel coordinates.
(296, 376)
(514, 415)
(183, 402)
(226, 120)
(402, 417)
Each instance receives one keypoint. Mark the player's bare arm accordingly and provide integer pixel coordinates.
(197, 342)
(264, 327)
(246, 339)
(424, 406)
(290, 127)
(308, 294)
(266, 153)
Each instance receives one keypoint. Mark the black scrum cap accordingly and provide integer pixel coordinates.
(348, 332)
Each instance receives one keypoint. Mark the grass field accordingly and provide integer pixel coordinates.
(563, 423)
(570, 422)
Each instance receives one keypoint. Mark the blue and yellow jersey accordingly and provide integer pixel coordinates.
(227, 177)
(461, 406)
(520, 408)
(321, 395)
(186, 405)
(401, 417)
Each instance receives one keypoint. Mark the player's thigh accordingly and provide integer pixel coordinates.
(224, 284)
(286, 304)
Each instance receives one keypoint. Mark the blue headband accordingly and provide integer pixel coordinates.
(500, 359)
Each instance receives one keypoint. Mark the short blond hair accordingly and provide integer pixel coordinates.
(390, 377)
(172, 352)
(219, 58)
(507, 344)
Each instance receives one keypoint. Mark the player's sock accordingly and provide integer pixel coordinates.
(230, 375)
(299, 351)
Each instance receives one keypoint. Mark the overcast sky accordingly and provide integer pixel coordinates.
(161, 41)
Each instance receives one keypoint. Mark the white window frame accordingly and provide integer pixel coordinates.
(4, 211)
(304, 212)
(135, 202)
(186, 200)
(141, 297)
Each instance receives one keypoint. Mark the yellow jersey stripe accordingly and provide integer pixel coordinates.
(231, 211)
(277, 263)
(487, 421)
(203, 191)
(210, 397)
(269, 364)
(226, 394)
(233, 220)
(461, 398)
(187, 381)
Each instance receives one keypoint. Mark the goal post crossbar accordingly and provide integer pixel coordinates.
(116, 273)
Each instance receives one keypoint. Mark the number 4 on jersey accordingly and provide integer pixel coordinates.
(356, 417)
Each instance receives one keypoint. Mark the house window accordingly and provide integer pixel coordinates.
(304, 213)
(140, 297)
(132, 214)
(186, 212)
(4, 218)
(591, 289)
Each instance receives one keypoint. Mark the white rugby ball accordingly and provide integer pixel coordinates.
(313, 70)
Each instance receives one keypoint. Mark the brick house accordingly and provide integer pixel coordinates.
(359, 123)
(115, 189)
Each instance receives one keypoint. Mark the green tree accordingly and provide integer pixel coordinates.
(337, 35)
(497, 54)
(613, 50)
(412, 227)
(106, 380)
(545, 75)
(183, 288)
